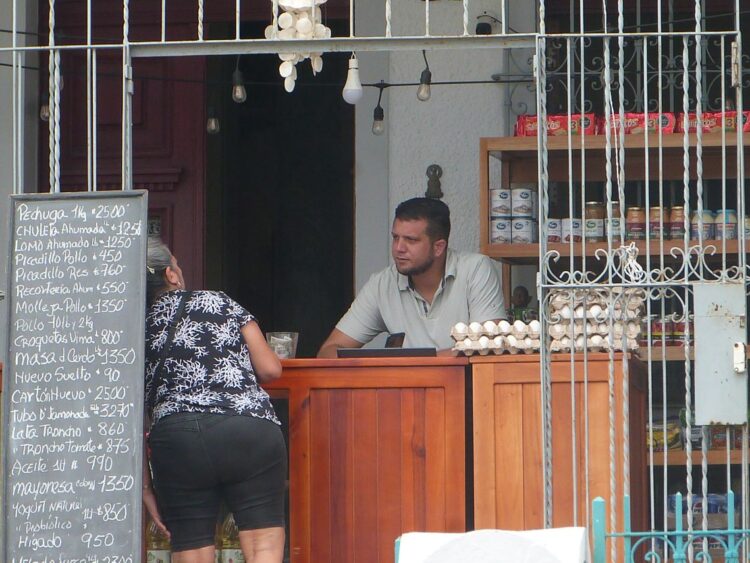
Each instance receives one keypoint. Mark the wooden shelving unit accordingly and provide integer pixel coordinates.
(521, 253)
(584, 159)
(714, 457)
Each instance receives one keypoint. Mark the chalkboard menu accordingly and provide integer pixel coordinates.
(73, 389)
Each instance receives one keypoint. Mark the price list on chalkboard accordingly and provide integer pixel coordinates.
(73, 385)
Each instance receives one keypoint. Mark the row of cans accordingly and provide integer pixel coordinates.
(523, 230)
(518, 231)
(517, 202)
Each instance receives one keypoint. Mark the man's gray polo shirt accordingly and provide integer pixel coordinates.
(470, 291)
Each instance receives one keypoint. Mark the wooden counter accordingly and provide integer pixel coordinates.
(508, 478)
(376, 449)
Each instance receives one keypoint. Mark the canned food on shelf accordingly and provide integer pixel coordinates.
(594, 223)
(571, 229)
(500, 203)
(554, 230)
(635, 223)
(726, 224)
(523, 231)
(500, 231)
(708, 230)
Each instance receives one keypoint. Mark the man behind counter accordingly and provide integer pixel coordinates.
(427, 290)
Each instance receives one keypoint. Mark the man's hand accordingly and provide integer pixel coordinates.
(336, 340)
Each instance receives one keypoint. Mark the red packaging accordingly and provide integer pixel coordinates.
(666, 122)
(527, 125)
(632, 121)
(727, 121)
(692, 122)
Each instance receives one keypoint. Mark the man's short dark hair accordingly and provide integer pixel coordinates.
(434, 211)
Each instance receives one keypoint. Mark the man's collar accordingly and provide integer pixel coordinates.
(450, 270)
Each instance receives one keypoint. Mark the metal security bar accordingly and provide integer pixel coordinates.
(640, 139)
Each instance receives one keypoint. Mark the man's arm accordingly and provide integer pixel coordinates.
(336, 340)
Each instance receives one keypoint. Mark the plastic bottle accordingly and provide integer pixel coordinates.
(157, 545)
(230, 542)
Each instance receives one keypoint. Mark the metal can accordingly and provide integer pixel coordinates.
(500, 231)
(677, 223)
(594, 224)
(554, 230)
(500, 203)
(635, 223)
(523, 231)
(726, 224)
(614, 225)
(522, 201)
(709, 230)
(571, 230)
(658, 222)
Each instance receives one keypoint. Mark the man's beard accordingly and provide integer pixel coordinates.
(418, 269)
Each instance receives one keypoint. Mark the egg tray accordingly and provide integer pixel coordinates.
(490, 329)
(560, 346)
(559, 330)
(461, 347)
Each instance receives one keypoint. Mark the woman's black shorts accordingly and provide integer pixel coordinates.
(200, 459)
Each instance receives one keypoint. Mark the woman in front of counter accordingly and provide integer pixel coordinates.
(215, 436)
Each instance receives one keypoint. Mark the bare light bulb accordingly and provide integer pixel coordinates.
(423, 92)
(44, 110)
(213, 125)
(378, 121)
(239, 94)
(352, 92)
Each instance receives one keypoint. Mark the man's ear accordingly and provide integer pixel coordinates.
(439, 246)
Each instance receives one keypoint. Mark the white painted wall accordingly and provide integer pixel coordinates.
(26, 20)
(444, 130)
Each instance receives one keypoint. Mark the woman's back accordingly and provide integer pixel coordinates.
(208, 367)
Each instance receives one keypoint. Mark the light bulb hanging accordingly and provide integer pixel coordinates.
(425, 79)
(44, 107)
(239, 94)
(378, 115)
(213, 125)
(352, 92)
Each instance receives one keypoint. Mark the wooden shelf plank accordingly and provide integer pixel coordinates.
(598, 142)
(513, 252)
(715, 457)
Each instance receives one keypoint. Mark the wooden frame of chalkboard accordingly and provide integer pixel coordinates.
(73, 393)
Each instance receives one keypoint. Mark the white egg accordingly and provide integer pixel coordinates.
(286, 34)
(556, 331)
(289, 84)
(490, 327)
(269, 31)
(503, 326)
(579, 312)
(566, 312)
(467, 342)
(498, 341)
(596, 311)
(580, 341)
(511, 340)
(520, 328)
(475, 328)
(535, 328)
(484, 342)
(596, 341)
(460, 327)
(319, 31)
